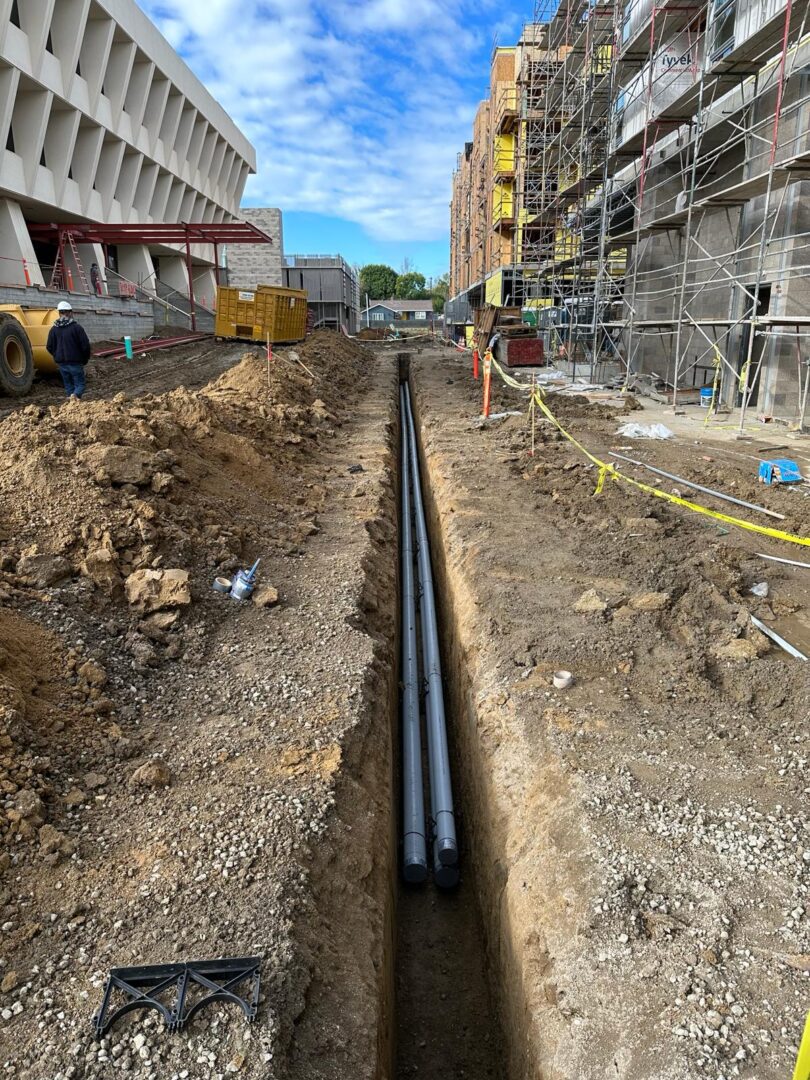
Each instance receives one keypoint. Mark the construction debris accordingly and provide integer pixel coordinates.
(699, 487)
(170, 989)
(780, 641)
(644, 431)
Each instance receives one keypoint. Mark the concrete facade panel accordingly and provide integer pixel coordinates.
(101, 120)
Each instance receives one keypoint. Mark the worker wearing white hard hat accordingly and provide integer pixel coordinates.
(69, 345)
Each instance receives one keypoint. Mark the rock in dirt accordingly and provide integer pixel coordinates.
(650, 601)
(54, 844)
(101, 566)
(93, 780)
(265, 596)
(162, 620)
(737, 650)
(93, 673)
(643, 524)
(590, 601)
(152, 590)
(152, 774)
(119, 464)
(29, 806)
(43, 570)
(9, 983)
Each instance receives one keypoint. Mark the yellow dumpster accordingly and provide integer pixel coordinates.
(256, 314)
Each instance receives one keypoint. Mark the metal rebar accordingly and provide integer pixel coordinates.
(414, 844)
(445, 850)
(700, 487)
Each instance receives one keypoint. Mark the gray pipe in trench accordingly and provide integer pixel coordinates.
(445, 846)
(414, 845)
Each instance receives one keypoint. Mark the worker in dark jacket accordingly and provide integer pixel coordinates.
(69, 345)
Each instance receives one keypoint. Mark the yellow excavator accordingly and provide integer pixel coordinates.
(23, 333)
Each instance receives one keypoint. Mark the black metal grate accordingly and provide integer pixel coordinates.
(179, 991)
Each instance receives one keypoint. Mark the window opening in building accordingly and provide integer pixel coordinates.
(15, 13)
(10, 140)
(722, 20)
(760, 341)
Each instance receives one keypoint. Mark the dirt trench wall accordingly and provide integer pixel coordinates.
(346, 1027)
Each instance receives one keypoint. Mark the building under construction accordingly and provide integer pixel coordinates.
(637, 176)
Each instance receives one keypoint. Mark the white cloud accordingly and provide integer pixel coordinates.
(357, 108)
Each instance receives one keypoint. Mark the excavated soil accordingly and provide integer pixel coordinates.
(199, 361)
(183, 776)
(641, 839)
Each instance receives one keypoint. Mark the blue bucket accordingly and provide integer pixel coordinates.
(706, 395)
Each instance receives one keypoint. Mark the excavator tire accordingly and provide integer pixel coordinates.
(16, 358)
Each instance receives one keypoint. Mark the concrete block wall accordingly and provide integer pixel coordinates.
(657, 259)
(250, 265)
(105, 318)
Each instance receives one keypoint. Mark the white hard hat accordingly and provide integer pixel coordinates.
(63, 305)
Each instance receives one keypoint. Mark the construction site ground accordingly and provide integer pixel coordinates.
(186, 777)
(640, 840)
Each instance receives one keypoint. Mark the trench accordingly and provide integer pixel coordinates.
(446, 1003)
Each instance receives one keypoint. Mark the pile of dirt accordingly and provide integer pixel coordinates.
(125, 508)
(125, 486)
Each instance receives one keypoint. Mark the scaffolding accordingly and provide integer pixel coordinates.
(661, 215)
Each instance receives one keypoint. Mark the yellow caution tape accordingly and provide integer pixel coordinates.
(802, 1070)
(607, 470)
(508, 378)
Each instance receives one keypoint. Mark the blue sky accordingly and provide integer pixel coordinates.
(357, 109)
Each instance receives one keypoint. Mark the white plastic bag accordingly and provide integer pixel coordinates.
(645, 431)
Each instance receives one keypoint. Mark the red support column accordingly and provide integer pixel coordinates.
(190, 284)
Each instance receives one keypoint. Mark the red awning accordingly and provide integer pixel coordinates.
(233, 232)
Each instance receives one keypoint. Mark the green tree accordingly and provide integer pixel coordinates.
(378, 282)
(410, 285)
(439, 293)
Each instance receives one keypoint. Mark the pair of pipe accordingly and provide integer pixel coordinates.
(418, 569)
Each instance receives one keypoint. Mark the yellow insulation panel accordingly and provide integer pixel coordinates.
(504, 153)
(494, 289)
(503, 202)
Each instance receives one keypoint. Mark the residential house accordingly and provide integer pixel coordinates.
(402, 314)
